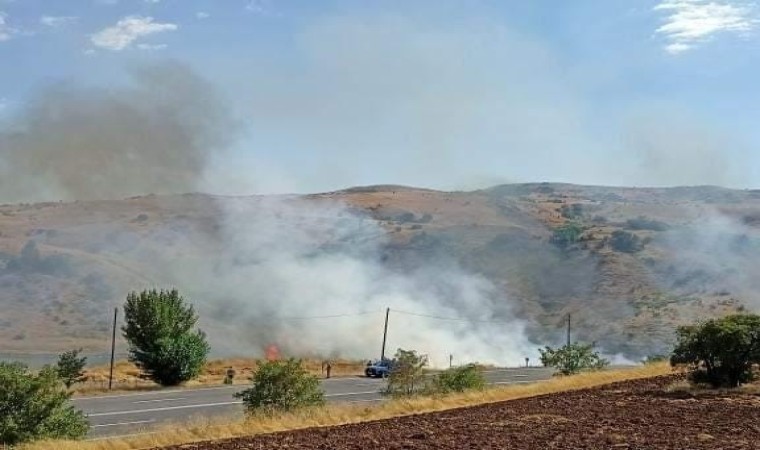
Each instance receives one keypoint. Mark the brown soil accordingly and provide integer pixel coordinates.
(627, 415)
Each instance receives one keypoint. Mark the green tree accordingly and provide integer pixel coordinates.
(626, 242)
(280, 386)
(720, 352)
(459, 379)
(407, 374)
(572, 359)
(567, 235)
(70, 367)
(35, 406)
(162, 343)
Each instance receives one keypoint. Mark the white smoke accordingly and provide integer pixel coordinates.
(288, 267)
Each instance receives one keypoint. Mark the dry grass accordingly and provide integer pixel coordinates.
(344, 414)
(127, 376)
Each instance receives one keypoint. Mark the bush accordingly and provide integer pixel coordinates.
(70, 367)
(280, 386)
(573, 211)
(572, 359)
(407, 375)
(567, 235)
(161, 340)
(643, 223)
(720, 352)
(459, 379)
(654, 359)
(35, 406)
(626, 242)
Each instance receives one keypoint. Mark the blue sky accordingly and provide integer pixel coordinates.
(444, 94)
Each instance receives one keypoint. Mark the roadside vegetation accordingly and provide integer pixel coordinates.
(70, 367)
(281, 386)
(719, 352)
(35, 406)
(572, 358)
(162, 341)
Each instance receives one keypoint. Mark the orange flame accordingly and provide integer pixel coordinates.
(272, 352)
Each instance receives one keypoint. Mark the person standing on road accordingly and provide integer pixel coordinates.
(329, 368)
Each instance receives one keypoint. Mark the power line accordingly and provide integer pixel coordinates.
(453, 319)
(331, 316)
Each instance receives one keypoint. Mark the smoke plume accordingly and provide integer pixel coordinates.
(154, 135)
(309, 277)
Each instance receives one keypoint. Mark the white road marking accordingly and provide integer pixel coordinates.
(202, 405)
(159, 392)
(351, 393)
(123, 423)
(166, 408)
(161, 400)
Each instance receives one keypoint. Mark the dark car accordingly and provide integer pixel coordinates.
(379, 368)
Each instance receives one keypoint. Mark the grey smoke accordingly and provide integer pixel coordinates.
(153, 135)
(716, 255)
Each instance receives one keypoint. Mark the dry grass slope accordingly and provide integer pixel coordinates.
(339, 415)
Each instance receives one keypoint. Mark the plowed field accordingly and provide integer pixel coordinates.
(627, 415)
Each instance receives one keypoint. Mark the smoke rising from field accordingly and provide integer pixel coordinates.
(310, 278)
(154, 135)
(715, 256)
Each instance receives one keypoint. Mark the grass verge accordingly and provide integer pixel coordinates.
(127, 375)
(335, 414)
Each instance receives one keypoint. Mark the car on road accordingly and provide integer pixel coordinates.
(378, 368)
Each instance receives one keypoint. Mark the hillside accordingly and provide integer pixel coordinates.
(628, 263)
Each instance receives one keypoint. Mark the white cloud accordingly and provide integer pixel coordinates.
(57, 21)
(128, 30)
(691, 22)
(152, 1)
(200, 15)
(6, 31)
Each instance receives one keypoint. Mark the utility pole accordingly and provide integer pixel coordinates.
(113, 347)
(385, 333)
(451, 360)
(568, 330)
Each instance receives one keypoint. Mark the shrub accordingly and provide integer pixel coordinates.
(626, 242)
(573, 211)
(161, 340)
(719, 352)
(70, 367)
(643, 223)
(572, 359)
(407, 375)
(280, 386)
(567, 235)
(35, 406)
(459, 379)
(654, 359)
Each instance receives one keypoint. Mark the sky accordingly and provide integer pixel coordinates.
(442, 94)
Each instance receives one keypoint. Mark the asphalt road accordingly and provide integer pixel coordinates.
(125, 414)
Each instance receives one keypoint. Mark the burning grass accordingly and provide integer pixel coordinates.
(344, 414)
